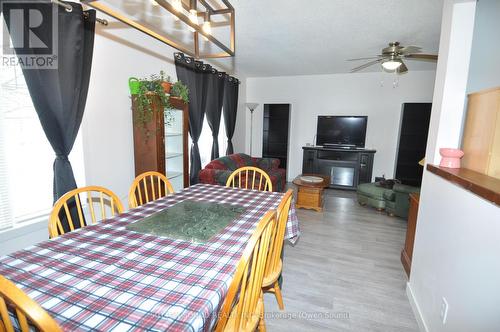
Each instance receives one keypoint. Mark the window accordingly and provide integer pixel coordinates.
(26, 156)
(205, 141)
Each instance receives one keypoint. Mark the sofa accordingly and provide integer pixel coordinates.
(372, 194)
(218, 170)
(399, 202)
(394, 201)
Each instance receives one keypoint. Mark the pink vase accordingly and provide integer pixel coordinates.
(450, 157)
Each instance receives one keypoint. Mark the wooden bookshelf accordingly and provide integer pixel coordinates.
(161, 147)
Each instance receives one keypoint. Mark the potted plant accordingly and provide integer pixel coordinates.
(144, 99)
(134, 85)
(180, 90)
(156, 85)
(166, 83)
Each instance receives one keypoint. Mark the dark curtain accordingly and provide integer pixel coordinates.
(59, 94)
(231, 86)
(194, 75)
(213, 110)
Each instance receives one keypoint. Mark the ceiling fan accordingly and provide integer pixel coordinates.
(392, 58)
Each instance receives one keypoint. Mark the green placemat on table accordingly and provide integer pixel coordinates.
(192, 221)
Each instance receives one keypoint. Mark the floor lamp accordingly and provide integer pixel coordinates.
(251, 107)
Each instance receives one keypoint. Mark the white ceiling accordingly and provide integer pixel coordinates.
(291, 37)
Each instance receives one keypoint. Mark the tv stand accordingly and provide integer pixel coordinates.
(346, 167)
(339, 146)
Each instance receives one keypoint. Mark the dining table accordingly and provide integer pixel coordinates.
(106, 277)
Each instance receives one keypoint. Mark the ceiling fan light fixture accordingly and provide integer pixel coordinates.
(392, 64)
(391, 58)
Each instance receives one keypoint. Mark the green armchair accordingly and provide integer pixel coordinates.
(397, 202)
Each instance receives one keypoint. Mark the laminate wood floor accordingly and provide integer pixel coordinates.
(344, 274)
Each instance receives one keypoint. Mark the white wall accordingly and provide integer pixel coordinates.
(107, 124)
(456, 256)
(456, 252)
(339, 94)
(484, 68)
(449, 99)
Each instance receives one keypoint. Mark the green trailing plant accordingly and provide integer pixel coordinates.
(178, 90)
(153, 87)
(181, 91)
(144, 99)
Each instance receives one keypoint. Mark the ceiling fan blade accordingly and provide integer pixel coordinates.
(411, 49)
(367, 58)
(422, 56)
(368, 64)
(402, 68)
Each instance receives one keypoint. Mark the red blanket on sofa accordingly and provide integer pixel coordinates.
(218, 170)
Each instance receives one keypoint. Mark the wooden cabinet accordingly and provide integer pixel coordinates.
(481, 138)
(310, 195)
(407, 252)
(162, 144)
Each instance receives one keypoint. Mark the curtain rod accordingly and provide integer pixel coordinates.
(69, 9)
(182, 57)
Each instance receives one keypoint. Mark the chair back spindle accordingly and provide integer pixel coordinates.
(147, 187)
(68, 212)
(250, 177)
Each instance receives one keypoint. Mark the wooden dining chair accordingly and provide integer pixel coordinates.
(243, 308)
(26, 311)
(69, 206)
(274, 264)
(147, 187)
(250, 177)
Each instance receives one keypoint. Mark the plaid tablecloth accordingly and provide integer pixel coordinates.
(106, 278)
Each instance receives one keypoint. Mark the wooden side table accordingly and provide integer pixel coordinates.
(310, 194)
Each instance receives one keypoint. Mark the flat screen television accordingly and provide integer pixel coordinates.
(344, 131)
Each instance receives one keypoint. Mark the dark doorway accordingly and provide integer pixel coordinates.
(275, 135)
(412, 142)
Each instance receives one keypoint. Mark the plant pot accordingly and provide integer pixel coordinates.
(166, 86)
(450, 157)
(134, 85)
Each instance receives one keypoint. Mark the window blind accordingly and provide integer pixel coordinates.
(6, 219)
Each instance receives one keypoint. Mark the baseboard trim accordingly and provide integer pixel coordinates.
(416, 309)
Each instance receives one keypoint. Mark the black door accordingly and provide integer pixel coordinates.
(275, 135)
(412, 142)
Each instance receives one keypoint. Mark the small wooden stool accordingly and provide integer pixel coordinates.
(310, 194)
